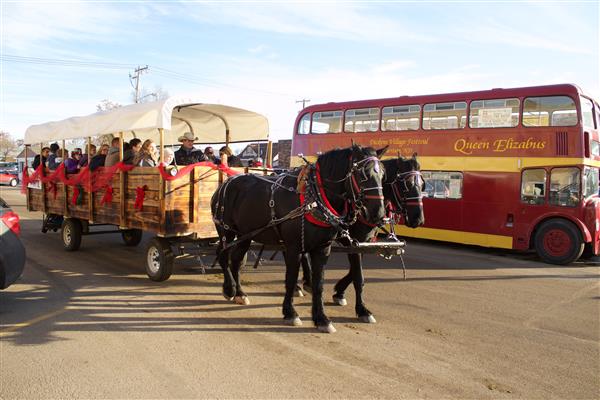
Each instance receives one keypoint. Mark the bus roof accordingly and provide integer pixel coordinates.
(175, 115)
(546, 90)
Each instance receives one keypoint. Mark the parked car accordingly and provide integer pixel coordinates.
(12, 251)
(9, 177)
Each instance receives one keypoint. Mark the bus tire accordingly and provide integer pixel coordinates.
(71, 234)
(132, 237)
(13, 182)
(558, 241)
(159, 260)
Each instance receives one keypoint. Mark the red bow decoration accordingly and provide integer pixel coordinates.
(53, 188)
(140, 193)
(75, 195)
(107, 198)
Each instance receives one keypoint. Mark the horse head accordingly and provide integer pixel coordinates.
(404, 186)
(356, 174)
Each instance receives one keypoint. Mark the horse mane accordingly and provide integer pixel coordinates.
(336, 162)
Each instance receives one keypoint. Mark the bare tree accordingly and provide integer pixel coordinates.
(7, 144)
(106, 105)
(147, 95)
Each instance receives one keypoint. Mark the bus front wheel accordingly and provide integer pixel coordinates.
(558, 241)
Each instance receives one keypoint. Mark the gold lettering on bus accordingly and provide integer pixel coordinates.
(466, 147)
(502, 145)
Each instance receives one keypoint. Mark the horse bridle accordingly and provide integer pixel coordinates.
(357, 193)
(400, 195)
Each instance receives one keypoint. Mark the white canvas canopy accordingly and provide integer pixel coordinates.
(209, 122)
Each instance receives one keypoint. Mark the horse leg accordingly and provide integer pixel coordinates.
(306, 279)
(224, 258)
(319, 258)
(341, 286)
(292, 266)
(238, 259)
(362, 312)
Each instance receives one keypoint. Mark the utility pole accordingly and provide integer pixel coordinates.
(303, 101)
(136, 76)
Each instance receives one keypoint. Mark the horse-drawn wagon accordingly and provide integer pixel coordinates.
(173, 202)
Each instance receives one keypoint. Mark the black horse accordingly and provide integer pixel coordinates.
(402, 192)
(305, 218)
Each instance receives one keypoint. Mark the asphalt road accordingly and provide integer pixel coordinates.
(467, 323)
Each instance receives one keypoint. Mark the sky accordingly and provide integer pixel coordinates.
(60, 59)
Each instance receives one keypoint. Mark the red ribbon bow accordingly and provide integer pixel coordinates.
(107, 198)
(140, 193)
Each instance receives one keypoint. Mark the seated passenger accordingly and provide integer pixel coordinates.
(130, 154)
(72, 163)
(112, 157)
(228, 159)
(51, 162)
(43, 157)
(60, 156)
(187, 154)
(209, 153)
(85, 158)
(169, 156)
(146, 157)
(98, 159)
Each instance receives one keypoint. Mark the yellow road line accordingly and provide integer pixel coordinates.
(5, 332)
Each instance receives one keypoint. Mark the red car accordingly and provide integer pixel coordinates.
(9, 178)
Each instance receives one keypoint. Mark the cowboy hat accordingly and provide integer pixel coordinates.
(188, 136)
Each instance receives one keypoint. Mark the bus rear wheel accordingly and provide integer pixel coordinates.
(559, 242)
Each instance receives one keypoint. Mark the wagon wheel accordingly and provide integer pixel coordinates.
(71, 234)
(558, 242)
(132, 237)
(159, 259)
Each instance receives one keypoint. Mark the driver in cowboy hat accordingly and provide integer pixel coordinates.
(187, 154)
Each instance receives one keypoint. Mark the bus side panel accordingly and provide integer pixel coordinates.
(489, 202)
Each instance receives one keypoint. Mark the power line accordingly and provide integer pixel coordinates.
(164, 72)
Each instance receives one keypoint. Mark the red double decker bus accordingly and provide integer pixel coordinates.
(506, 168)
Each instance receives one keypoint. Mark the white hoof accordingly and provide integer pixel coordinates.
(340, 301)
(326, 328)
(294, 321)
(298, 293)
(227, 297)
(367, 319)
(242, 300)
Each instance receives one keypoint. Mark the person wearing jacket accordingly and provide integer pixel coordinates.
(146, 157)
(113, 153)
(52, 163)
(187, 154)
(43, 157)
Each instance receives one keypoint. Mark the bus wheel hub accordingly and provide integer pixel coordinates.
(557, 242)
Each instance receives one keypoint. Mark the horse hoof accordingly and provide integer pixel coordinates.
(307, 288)
(228, 298)
(367, 319)
(298, 293)
(242, 300)
(326, 328)
(340, 301)
(296, 321)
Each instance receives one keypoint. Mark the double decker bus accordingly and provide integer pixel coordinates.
(505, 168)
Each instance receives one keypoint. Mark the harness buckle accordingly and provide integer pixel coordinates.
(271, 203)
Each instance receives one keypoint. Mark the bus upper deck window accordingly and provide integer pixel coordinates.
(549, 111)
(327, 122)
(587, 113)
(496, 113)
(304, 124)
(400, 118)
(445, 115)
(362, 120)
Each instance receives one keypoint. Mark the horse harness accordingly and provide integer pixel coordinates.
(314, 205)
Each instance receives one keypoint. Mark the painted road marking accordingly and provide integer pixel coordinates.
(5, 332)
